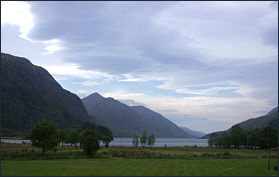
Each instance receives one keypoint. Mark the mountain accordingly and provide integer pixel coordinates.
(191, 132)
(30, 94)
(123, 120)
(163, 122)
(272, 111)
(270, 118)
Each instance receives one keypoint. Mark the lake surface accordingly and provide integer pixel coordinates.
(159, 142)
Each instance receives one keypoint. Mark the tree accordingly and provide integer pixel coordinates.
(62, 135)
(90, 142)
(237, 136)
(135, 141)
(44, 135)
(151, 140)
(106, 140)
(143, 139)
(210, 142)
(253, 138)
(74, 137)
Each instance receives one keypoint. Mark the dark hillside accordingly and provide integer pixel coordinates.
(123, 120)
(163, 122)
(270, 118)
(30, 94)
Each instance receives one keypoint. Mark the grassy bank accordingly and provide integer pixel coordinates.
(28, 152)
(135, 161)
(139, 167)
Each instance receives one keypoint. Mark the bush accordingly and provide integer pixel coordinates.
(226, 153)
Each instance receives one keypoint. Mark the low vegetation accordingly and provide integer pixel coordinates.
(26, 151)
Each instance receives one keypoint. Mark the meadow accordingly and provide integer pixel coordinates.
(25, 160)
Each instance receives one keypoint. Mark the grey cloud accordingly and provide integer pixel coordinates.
(270, 37)
(274, 5)
(101, 40)
(260, 76)
(122, 37)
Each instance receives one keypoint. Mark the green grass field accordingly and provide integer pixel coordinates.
(139, 167)
(26, 160)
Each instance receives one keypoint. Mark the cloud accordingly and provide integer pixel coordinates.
(270, 37)
(203, 59)
(210, 91)
(131, 103)
(90, 83)
(274, 5)
(17, 13)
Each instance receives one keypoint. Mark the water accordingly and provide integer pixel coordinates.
(159, 142)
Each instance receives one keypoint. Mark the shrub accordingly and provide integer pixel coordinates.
(226, 153)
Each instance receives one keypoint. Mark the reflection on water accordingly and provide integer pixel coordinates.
(159, 142)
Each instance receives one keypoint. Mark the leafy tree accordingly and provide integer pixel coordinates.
(274, 137)
(263, 138)
(106, 140)
(99, 130)
(143, 139)
(237, 136)
(135, 141)
(44, 135)
(252, 139)
(269, 137)
(62, 135)
(151, 140)
(210, 142)
(90, 142)
(74, 137)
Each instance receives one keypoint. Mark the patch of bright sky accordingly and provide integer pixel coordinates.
(17, 13)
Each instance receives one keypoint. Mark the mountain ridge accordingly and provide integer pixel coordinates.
(269, 119)
(161, 120)
(123, 119)
(30, 94)
(192, 132)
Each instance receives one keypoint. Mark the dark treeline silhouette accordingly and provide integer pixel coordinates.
(260, 138)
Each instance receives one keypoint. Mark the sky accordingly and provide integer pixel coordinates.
(204, 65)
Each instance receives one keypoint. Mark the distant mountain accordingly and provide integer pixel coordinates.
(191, 132)
(30, 94)
(270, 118)
(272, 111)
(163, 122)
(123, 120)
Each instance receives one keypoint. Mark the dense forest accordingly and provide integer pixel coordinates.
(260, 138)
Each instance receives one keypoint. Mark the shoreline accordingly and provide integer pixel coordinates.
(12, 138)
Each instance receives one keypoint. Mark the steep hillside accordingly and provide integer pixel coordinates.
(192, 132)
(123, 120)
(272, 111)
(270, 118)
(29, 94)
(160, 120)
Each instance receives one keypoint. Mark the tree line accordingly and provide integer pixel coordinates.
(260, 138)
(45, 135)
(150, 140)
